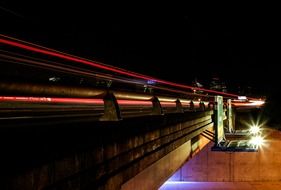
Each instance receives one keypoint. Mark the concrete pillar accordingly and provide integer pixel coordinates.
(229, 116)
(218, 120)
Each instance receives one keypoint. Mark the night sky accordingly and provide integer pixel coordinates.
(174, 44)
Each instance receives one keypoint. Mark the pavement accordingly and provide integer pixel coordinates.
(221, 186)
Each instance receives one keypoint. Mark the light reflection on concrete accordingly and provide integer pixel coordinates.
(221, 186)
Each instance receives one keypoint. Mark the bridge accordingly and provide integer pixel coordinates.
(73, 123)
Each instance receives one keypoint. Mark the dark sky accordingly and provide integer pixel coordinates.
(174, 44)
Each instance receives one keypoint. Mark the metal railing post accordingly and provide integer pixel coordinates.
(179, 106)
(191, 106)
(202, 106)
(111, 108)
(156, 106)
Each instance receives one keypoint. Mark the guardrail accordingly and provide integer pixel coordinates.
(111, 103)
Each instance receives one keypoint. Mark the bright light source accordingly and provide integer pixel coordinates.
(255, 129)
(256, 141)
(151, 82)
(242, 98)
(179, 182)
(257, 102)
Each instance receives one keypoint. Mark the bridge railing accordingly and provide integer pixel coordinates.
(53, 80)
(107, 104)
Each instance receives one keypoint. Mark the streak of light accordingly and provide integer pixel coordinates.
(69, 100)
(78, 101)
(71, 58)
(168, 104)
(62, 68)
(102, 66)
(73, 70)
(134, 102)
(251, 103)
(185, 103)
(167, 99)
(50, 100)
(196, 103)
(11, 12)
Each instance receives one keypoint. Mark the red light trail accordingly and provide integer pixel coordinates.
(78, 101)
(64, 56)
(50, 100)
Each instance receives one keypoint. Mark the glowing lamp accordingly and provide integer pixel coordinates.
(255, 129)
(256, 141)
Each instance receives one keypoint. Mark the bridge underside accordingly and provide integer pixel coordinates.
(156, 174)
(86, 154)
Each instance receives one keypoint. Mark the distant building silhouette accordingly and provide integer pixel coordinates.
(245, 90)
(197, 84)
(217, 84)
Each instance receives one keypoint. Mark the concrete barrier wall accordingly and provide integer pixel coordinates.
(94, 155)
(155, 175)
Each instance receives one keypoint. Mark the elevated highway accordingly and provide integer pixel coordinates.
(73, 123)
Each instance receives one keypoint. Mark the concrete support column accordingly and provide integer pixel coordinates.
(218, 120)
(229, 116)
